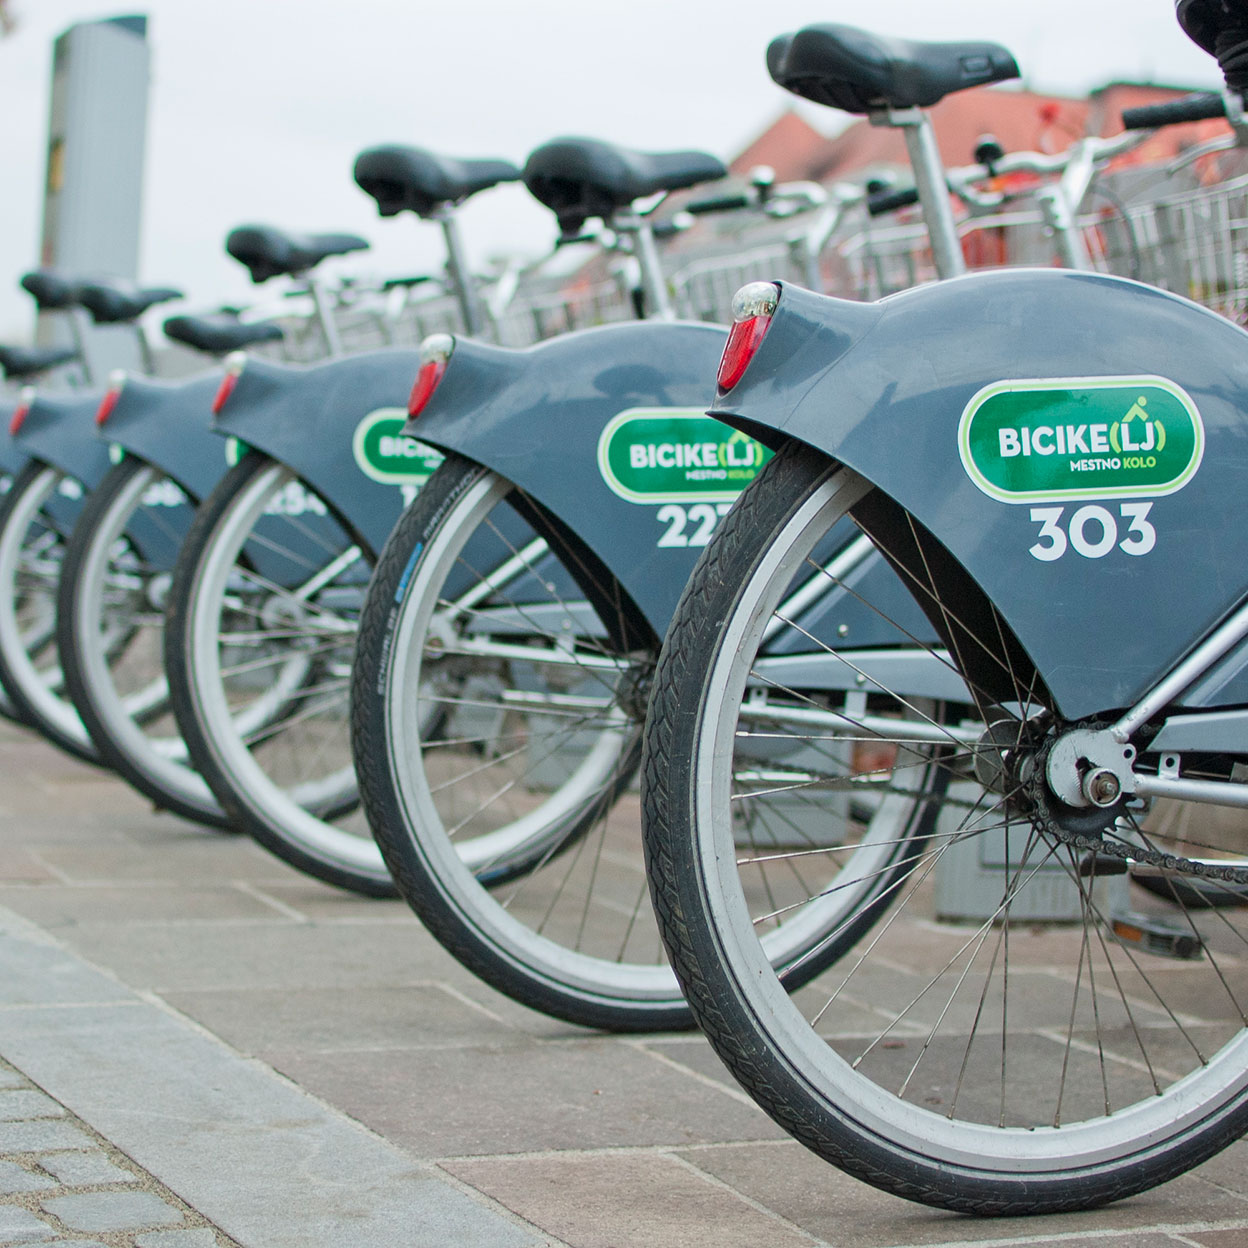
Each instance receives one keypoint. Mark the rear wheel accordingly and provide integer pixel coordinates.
(119, 564)
(258, 647)
(1027, 1030)
(37, 515)
(500, 685)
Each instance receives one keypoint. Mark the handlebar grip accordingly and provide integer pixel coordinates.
(1200, 107)
(718, 203)
(889, 201)
(394, 283)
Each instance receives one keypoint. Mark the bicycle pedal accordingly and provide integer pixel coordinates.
(1159, 936)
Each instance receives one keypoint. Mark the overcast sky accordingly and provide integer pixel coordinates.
(258, 107)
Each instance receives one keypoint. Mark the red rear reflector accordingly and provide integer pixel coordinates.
(107, 403)
(435, 353)
(224, 390)
(234, 365)
(426, 383)
(116, 380)
(752, 309)
(21, 411)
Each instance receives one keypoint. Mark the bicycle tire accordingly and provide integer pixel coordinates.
(877, 1069)
(530, 874)
(119, 558)
(35, 525)
(258, 638)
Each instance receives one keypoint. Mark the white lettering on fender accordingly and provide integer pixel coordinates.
(1092, 531)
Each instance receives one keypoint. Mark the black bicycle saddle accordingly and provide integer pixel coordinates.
(1221, 28)
(20, 363)
(269, 252)
(582, 178)
(220, 332)
(114, 301)
(51, 290)
(413, 178)
(859, 72)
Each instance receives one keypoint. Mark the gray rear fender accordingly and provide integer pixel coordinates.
(167, 424)
(12, 457)
(560, 420)
(61, 432)
(325, 422)
(1008, 412)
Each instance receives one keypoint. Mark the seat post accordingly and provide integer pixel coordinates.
(653, 283)
(145, 349)
(460, 273)
(324, 315)
(929, 180)
(78, 329)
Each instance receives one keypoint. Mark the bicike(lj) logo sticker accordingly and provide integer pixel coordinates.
(386, 454)
(1047, 440)
(676, 455)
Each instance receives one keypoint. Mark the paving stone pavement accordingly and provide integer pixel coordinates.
(57, 1187)
(198, 1046)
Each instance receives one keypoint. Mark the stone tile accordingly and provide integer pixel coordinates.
(80, 1243)
(829, 1204)
(41, 1137)
(197, 1237)
(524, 1097)
(46, 828)
(19, 1226)
(14, 1179)
(1235, 1237)
(12, 1079)
(85, 1169)
(694, 1052)
(59, 906)
(112, 1211)
(22, 865)
(257, 1157)
(261, 1020)
(250, 955)
(20, 1103)
(623, 1201)
(322, 903)
(44, 974)
(199, 855)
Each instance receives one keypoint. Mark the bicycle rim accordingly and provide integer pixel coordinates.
(1033, 1056)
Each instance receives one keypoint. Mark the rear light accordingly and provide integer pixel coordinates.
(22, 410)
(435, 353)
(752, 310)
(115, 382)
(234, 365)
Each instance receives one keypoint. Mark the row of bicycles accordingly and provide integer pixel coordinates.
(889, 725)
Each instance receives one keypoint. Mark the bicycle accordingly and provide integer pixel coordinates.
(267, 585)
(63, 460)
(989, 1067)
(495, 704)
(120, 558)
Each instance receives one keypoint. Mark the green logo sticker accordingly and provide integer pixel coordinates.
(1081, 437)
(676, 455)
(384, 453)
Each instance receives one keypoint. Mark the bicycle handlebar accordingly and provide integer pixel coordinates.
(719, 203)
(1201, 106)
(890, 201)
